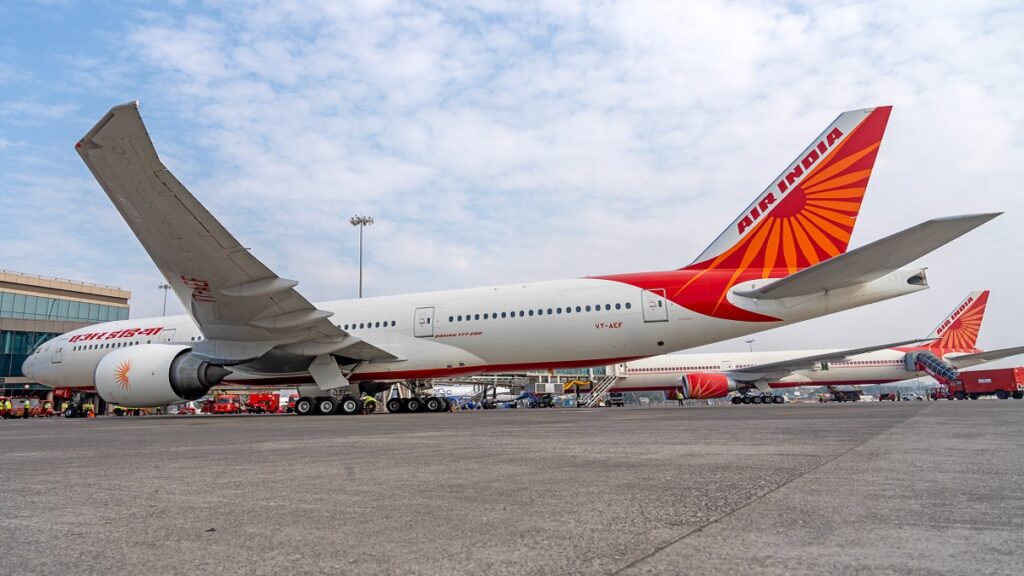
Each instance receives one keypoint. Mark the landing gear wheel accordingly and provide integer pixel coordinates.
(304, 406)
(433, 404)
(349, 406)
(756, 400)
(448, 405)
(778, 399)
(326, 405)
(395, 405)
(747, 400)
(414, 404)
(737, 400)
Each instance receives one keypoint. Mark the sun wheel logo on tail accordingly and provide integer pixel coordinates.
(706, 385)
(121, 374)
(803, 218)
(960, 330)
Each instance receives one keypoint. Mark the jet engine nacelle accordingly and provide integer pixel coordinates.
(706, 385)
(155, 375)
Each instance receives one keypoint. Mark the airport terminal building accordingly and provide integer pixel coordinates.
(34, 309)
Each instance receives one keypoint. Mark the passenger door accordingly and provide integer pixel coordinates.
(423, 322)
(654, 305)
(166, 335)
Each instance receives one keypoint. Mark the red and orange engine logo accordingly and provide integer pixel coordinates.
(121, 374)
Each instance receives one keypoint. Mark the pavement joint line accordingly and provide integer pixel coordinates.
(657, 550)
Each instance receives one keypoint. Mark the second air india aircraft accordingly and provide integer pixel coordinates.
(753, 375)
(782, 260)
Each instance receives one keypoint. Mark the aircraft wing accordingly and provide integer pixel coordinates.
(242, 307)
(786, 367)
(871, 261)
(967, 360)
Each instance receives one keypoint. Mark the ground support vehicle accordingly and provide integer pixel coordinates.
(1002, 383)
(615, 399)
(224, 404)
(264, 403)
(541, 401)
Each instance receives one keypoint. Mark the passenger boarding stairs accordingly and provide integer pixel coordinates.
(599, 389)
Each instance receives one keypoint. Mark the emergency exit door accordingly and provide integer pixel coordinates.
(423, 322)
(655, 306)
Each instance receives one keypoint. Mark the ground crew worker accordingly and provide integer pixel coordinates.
(64, 407)
(8, 408)
(27, 409)
(3, 409)
(369, 404)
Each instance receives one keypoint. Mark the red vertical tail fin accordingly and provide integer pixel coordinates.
(807, 214)
(959, 330)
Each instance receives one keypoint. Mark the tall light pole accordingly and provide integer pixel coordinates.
(361, 222)
(750, 344)
(165, 288)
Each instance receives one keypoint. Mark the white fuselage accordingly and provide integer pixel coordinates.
(565, 323)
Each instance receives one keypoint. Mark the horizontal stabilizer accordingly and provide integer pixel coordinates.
(871, 261)
(783, 367)
(967, 360)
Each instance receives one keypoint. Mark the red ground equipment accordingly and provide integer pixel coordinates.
(1002, 383)
(264, 403)
(226, 404)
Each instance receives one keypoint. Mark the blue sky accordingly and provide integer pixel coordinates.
(512, 141)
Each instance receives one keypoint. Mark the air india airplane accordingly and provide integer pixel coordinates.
(784, 259)
(950, 347)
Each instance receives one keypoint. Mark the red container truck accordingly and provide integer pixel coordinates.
(264, 403)
(1002, 383)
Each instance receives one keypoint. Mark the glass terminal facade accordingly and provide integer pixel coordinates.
(15, 346)
(34, 309)
(44, 308)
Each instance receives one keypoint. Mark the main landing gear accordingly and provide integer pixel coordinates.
(417, 404)
(348, 405)
(758, 399)
(323, 405)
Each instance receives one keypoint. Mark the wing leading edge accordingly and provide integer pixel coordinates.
(243, 308)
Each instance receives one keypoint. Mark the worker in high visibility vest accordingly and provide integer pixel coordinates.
(64, 407)
(26, 409)
(8, 409)
(369, 404)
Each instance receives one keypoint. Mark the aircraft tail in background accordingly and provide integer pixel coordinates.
(959, 330)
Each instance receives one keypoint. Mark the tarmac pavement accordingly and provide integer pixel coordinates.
(871, 488)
